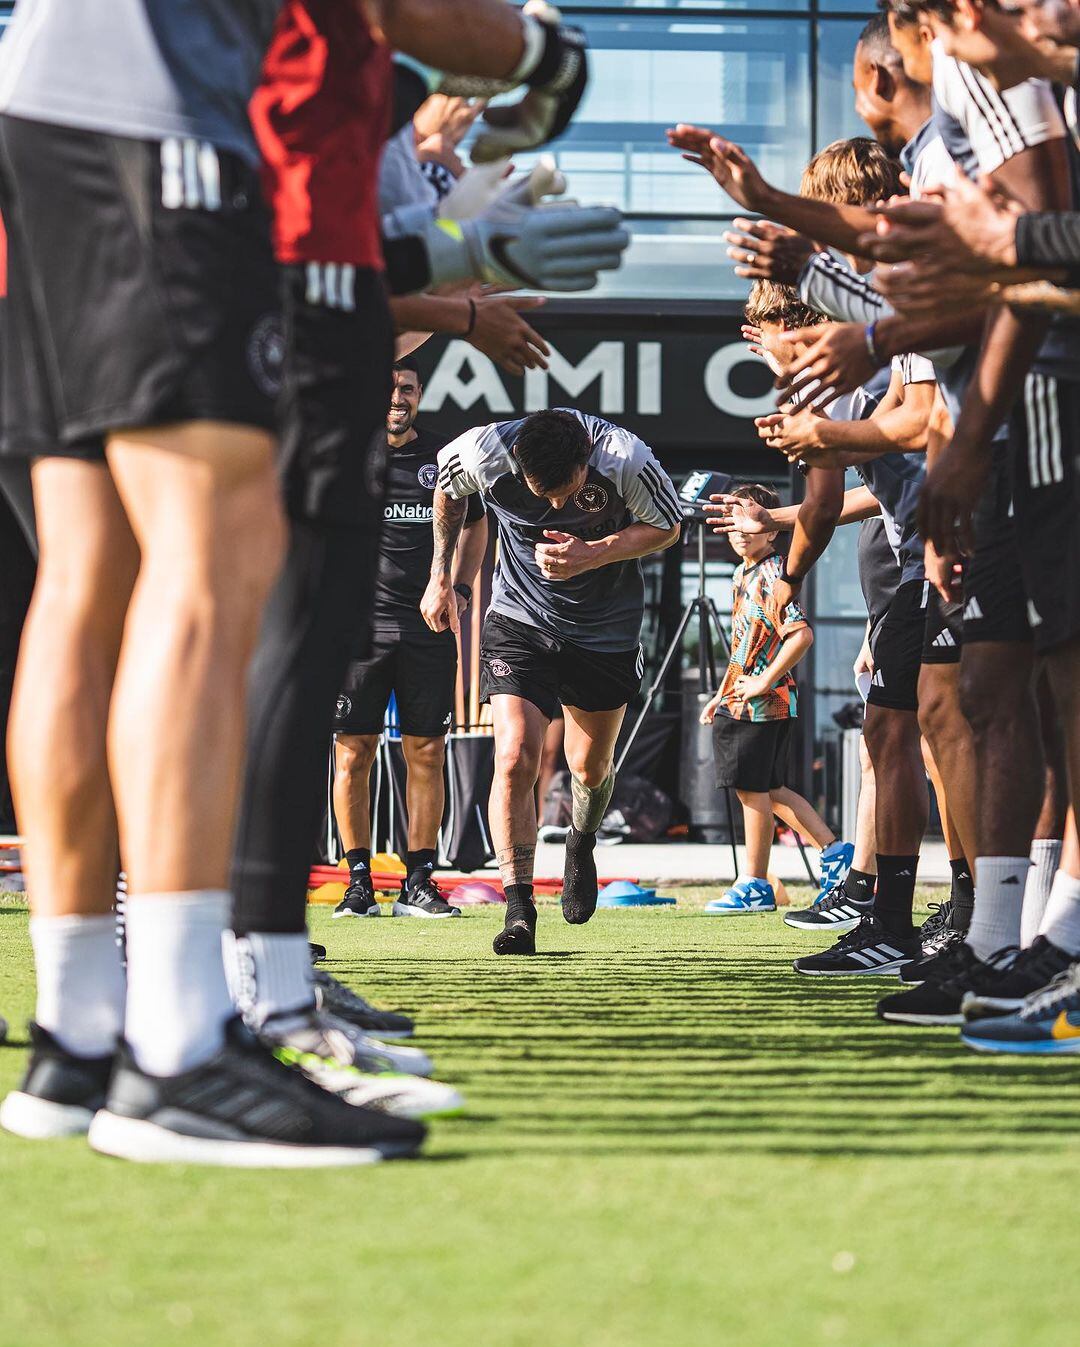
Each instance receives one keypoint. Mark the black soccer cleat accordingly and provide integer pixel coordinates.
(579, 878)
(359, 899)
(867, 950)
(423, 900)
(835, 913)
(940, 1001)
(245, 1109)
(60, 1092)
(517, 937)
(341, 1001)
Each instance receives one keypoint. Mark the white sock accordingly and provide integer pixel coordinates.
(1061, 921)
(999, 900)
(178, 1000)
(268, 974)
(1045, 859)
(80, 982)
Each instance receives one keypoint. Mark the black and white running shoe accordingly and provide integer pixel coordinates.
(359, 899)
(342, 1002)
(835, 912)
(243, 1108)
(940, 1001)
(423, 900)
(60, 1092)
(936, 924)
(868, 949)
(1033, 969)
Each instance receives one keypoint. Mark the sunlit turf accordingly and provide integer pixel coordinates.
(672, 1139)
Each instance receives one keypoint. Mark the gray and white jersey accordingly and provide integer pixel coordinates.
(601, 609)
(148, 69)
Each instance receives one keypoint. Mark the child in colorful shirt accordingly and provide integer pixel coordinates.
(752, 716)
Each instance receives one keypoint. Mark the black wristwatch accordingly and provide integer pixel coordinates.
(792, 580)
(465, 591)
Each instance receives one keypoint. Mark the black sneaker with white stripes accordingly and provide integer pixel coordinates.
(243, 1108)
(937, 923)
(60, 1092)
(423, 900)
(941, 1001)
(337, 999)
(868, 949)
(836, 912)
(359, 899)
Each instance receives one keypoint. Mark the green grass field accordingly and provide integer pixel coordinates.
(672, 1140)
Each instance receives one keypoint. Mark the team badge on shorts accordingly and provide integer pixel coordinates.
(591, 497)
(266, 354)
(428, 475)
(499, 667)
(344, 706)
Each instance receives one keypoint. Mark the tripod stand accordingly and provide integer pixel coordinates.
(704, 609)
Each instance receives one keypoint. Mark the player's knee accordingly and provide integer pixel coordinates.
(424, 755)
(591, 774)
(517, 763)
(354, 755)
(990, 694)
(890, 734)
(938, 711)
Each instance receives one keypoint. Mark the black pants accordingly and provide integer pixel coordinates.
(337, 390)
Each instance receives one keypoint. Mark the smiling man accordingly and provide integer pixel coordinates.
(578, 501)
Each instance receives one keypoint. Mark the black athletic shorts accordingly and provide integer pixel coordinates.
(419, 668)
(142, 289)
(1045, 439)
(943, 631)
(336, 390)
(896, 644)
(995, 604)
(525, 662)
(749, 754)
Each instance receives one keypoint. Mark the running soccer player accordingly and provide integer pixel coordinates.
(129, 185)
(407, 659)
(578, 502)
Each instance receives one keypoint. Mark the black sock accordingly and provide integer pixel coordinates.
(419, 865)
(895, 896)
(963, 894)
(358, 856)
(859, 887)
(519, 904)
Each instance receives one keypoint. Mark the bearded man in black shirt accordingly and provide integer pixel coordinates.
(417, 665)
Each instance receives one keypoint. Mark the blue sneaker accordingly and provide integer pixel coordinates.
(745, 895)
(835, 866)
(1047, 1023)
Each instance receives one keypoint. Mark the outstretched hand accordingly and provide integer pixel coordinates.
(728, 163)
(738, 514)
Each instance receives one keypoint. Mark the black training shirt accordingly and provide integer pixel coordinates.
(408, 543)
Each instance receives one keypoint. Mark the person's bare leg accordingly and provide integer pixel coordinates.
(1046, 845)
(56, 750)
(519, 738)
(425, 789)
(962, 886)
(590, 754)
(800, 815)
(550, 759)
(758, 827)
(354, 757)
(1061, 919)
(948, 828)
(949, 735)
(901, 810)
(203, 502)
(996, 682)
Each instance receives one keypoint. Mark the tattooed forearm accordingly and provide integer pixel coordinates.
(448, 515)
(516, 864)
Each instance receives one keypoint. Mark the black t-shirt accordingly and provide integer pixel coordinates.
(879, 573)
(408, 543)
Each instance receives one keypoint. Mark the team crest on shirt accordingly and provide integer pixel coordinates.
(344, 706)
(428, 475)
(266, 354)
(499, 668)
(591, 497)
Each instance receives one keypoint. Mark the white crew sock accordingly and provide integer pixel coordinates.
(999, 900)
(1045, 859)
(268, 974)
(1061, 921)
(177, 1001)
(80, 982)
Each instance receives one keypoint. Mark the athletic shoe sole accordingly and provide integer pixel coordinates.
(986, 1007)
(348, 912)
(147, 1142)
(736, 911)
(844, 924)
(882, 970)
(1047, 1048)
(407, 910)
(902, 1017)
(37, 1119)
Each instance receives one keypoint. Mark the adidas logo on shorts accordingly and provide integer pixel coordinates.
(972, 611)
(943, 640)
(878, 680)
